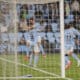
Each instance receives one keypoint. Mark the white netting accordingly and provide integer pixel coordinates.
(20, 55)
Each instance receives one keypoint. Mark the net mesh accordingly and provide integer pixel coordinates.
(40, 18)
(7, 44)
(30, 39)
(19, 21)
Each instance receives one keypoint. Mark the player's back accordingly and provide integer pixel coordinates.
(69, 35)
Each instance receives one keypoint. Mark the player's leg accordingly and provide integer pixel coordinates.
(31, 59)
(31, 55)
(28, 47)
(22, 48)
(36, 58)
(36, 55)
(73, 54)
(42, 50)
(67, 62)
(27, 53)
(76, 58)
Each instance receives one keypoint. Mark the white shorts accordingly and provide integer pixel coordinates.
(68, 49)
(36, 48)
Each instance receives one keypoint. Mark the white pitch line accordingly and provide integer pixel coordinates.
(30, 67)
(33, 78)
(52, 74)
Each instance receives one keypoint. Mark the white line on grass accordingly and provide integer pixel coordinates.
(34, 78)
(52, 74)
(30, 67)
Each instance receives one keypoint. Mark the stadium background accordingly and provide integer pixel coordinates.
(47, 21)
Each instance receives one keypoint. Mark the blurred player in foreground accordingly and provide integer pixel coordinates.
(69, 43)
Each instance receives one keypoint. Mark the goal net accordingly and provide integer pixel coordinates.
(31, 39)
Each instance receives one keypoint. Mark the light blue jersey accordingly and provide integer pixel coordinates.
(69, 37)
(69, 43)
(33, 37)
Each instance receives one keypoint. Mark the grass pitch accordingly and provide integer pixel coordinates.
(47, 67)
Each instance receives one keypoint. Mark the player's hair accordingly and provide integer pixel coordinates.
(32, 18)
(67, 26)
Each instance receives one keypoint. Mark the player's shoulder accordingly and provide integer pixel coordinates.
(73, 29)
(66, 30)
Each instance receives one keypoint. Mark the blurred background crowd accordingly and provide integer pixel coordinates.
(44, 17)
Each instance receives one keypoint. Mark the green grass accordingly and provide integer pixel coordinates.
(51, 64)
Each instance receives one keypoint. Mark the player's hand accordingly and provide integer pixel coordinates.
(44, 56)
(77, 42)
(28, 43)
(26, 58)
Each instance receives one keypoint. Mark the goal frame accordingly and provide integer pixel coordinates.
(61, 7)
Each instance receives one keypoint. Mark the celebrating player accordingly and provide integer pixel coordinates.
(69, 43)
(34, 44)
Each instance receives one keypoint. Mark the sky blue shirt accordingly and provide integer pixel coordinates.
(69, 36)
